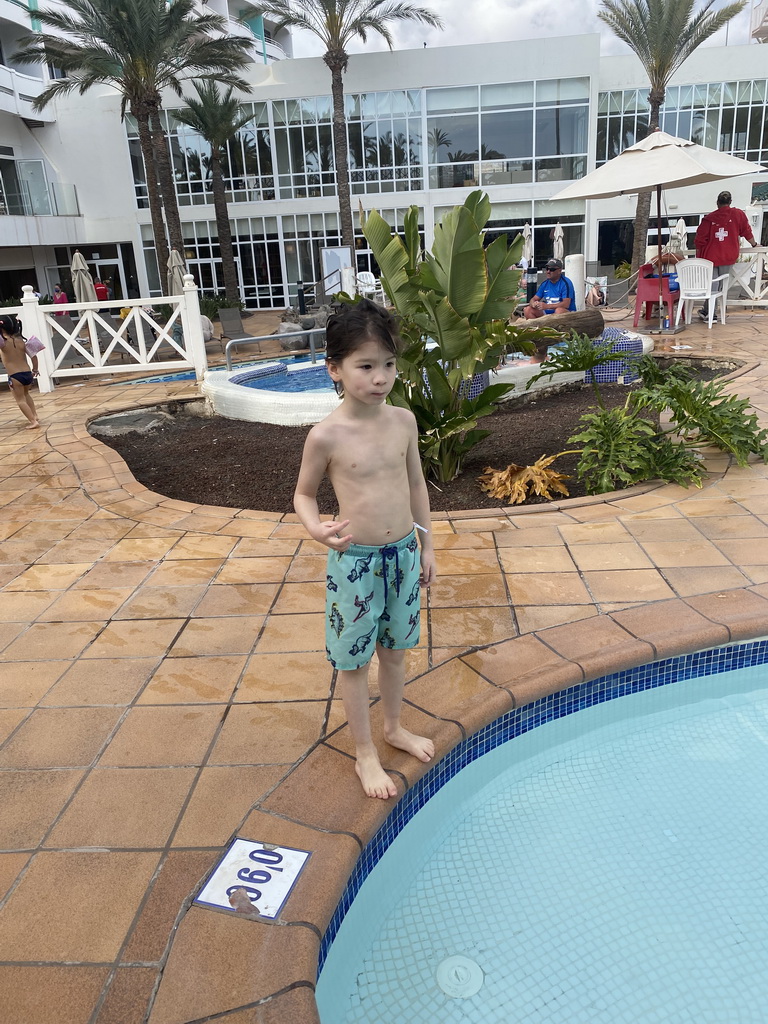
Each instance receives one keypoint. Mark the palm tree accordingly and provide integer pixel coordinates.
(217, 119)
(336, 23)
(139, 47)
(663, 34)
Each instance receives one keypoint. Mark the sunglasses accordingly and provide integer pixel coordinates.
(551, 270)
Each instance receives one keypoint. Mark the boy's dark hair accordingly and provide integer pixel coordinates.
(355, 324)
(10, 324)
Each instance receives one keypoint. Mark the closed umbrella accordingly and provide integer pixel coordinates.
(176, 272)
(678, 240)
(558, 247)
(527, 244)
(82, 282)
(658, 161)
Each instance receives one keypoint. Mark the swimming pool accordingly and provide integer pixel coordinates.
(286, 380)
(606, 867)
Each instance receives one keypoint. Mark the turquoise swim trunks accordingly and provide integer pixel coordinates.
(372, 597)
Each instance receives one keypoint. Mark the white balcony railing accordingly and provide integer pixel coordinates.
(18, 92)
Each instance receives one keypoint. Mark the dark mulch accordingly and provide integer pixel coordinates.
(216, 461)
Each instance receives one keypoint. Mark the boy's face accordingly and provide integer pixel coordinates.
(367, 374)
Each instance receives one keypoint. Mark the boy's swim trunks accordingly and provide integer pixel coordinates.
(372, 597)
(24, 377)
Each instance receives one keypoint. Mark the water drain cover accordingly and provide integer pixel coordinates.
(459, 977)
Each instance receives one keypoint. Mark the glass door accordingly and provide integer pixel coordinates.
(34, 187)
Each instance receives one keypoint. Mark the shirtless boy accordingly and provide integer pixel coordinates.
(369, 450)
(13, 353)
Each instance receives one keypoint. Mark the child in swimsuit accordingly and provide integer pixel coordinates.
(16, 355)
(376, 566)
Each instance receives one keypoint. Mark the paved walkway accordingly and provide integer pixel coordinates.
(163, 687)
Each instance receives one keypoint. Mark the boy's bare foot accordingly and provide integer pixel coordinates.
(376, 782)
(34, 426)
(420, 746)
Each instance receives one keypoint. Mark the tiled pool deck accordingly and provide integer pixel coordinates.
(163, 687)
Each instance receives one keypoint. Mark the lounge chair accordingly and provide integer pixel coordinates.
(232, 326)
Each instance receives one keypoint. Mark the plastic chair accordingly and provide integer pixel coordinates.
(232, 326)
(698, 285)
(367, 284)
(648, 293)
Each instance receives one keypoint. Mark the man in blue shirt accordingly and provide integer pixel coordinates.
(556, 294)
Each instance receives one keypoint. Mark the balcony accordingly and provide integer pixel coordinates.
(18, 92)
(48, 199)
(759, 22)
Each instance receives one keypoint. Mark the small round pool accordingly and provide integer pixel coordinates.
(278, 377)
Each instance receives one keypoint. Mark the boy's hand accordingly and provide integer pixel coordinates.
(330, 534)
(427, 568)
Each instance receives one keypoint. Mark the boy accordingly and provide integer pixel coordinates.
(370, 452)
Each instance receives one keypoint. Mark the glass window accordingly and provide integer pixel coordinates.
(561, 130)
(453, 138)
(445, 101)
(510, 94)
(507, 135)
(562, 90)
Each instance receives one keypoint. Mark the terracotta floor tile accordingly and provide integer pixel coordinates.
(78, 550)
(114, 575)
(203, 546)
(754, 552)
(542, 617)
(672, 627)
(101, 681)
(595, 533)
(237, 599)
(457, 692)
(161, 602)
(609, 556)
(23, 683)
(268, 733)
(246, 528)
(547, 588)
(112, 529)
(10, 718)
(11, 865)
(298, 1004)
(97, 895)
(615, 585)
(599, 645)
(693, 508)
(665, 530)
(744, 612)
(123, 807)
(66, 995)
(135, 638)
(721, 527)
(59, 738)
(307, 569)
(194, 680)
(77, 605)
(24, 606)
(181, 874)
(254, 570)
(23, 550)
(10, 572)
(285, 677)
(536, 559)
(700, 552)
(43, 641)
(704, 580)
(464, 591)
(470, 627)
(49, 577)
(187, 572)
(8, 632)
(140, 550)
(129, 996)
(190, 990)
(249, 547)
(467, 541)
(756, 573)
(301, 597)
(221, 800)
(160, 736)
(31, 801)
(293, 633)
(471, 562)
(228, 635)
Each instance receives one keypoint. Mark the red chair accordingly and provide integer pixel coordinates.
(648, 293)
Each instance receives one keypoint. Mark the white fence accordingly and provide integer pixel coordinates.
(97, 338)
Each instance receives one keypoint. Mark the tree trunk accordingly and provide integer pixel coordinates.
(643, 209)
(583, 321)
(153, 193)
(165, 175)
(222, 226)
(337, 62)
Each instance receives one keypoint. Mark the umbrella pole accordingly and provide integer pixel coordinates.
(660, 267)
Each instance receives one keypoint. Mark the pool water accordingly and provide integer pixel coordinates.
(314, 378)
(605, 868)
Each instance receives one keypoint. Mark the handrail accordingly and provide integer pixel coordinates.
(248, 340)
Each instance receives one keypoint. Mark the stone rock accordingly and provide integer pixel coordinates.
(307, 323)
(294, 344)
(321, 317)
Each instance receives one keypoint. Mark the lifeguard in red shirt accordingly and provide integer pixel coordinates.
(717, 238)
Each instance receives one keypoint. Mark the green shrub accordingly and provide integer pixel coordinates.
(211, 304)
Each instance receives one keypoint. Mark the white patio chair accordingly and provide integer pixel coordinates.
(367, 285)
(697, 285)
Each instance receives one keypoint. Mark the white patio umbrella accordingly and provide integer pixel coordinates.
(527, 254)
(656, 162)
(176, 272)
(558, 247)
(82, 282)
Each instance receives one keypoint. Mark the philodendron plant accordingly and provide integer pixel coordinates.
(460, 297)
